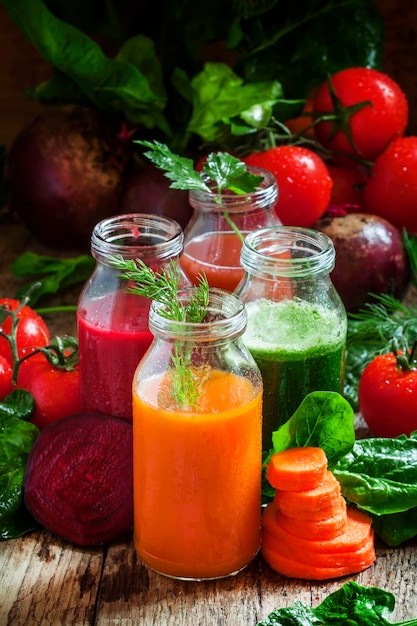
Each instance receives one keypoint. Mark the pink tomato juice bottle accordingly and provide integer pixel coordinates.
(113, 332)
(220, 221)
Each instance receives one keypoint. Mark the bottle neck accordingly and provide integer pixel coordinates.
(262, 198)
(286, 251)
(151, 238)
(225, 319)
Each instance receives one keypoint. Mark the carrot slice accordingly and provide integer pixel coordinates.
(350, 559)
(301, 504)
(297, 469)
(294, 569)
(355, 535)
(317, 527)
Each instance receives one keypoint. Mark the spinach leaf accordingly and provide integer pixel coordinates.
(16, 440)
(351, 605)
(52, 275)
(380, 474)
(324, 419)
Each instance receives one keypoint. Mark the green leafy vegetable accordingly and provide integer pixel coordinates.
(380, 476)
(16, 440)
(324, 419)
(169, 68)
(225, 170)
(351, 605)
(52, 275)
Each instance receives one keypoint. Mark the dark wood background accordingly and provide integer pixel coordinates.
(21, 67)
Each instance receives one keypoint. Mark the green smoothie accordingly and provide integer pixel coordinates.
(299, 348)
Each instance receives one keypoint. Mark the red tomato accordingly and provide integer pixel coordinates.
(5, 377)
(388, 397)
(348, 184)
(391, 190)
(304, 183)
(56, 391)
(32, 330)
(372, 127)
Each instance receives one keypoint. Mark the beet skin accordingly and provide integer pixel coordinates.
(79, 478)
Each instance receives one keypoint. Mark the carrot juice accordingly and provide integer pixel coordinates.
(197, 477)
(218, 255)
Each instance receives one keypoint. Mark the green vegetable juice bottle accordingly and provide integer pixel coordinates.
(297, 323)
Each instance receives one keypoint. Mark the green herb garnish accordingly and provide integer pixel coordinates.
(226, 171)
(163, 286)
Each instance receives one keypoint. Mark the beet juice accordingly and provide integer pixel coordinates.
(113, 332)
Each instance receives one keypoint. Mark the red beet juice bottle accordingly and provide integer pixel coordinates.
(113, 332)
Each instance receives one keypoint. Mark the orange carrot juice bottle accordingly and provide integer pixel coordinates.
(197, 431)
(214, 235)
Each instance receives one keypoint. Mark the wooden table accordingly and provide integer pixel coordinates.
(47, 582)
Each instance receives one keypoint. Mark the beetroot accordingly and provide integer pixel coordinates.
(65, 172)
(78, 481)
(148, 190)
(370, 258)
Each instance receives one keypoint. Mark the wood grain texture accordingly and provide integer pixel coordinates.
(45, 581)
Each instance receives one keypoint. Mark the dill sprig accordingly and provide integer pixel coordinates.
(163, 286)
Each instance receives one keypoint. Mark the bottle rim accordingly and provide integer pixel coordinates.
(228, 319)
(129, 235)
(263, 197)
(287, 251)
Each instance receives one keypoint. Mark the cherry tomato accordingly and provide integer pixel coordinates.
(391, 190)
(32, 330)
(304, 183)
(388, 397)
(6, 372)
(372, 127)
(348, 183)
(56, 391)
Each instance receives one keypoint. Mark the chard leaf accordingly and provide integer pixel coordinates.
(112, 85)
(380, 474)
(220, 96)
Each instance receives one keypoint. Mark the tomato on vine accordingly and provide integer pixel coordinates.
(364, 110)
(387, 393)
(304, 182)
(31, 329)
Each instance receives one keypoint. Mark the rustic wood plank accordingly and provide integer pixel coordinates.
(130, 593)
(46, 581)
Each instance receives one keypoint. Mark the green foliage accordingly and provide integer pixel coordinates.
(16, 440)
(350, 605)
(150, 63)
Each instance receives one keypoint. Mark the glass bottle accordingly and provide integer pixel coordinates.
(197, 460)
(297, 323)
(213, 237)
(113, 332)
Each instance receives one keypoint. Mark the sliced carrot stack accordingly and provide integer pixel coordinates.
(311, 533)
(297, 469)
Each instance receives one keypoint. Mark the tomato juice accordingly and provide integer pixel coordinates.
(197, 477)
(218, 255)
(299, 348)
(115, 338)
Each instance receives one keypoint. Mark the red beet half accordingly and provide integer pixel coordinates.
(79, 478)
(64, 173)
(370, 258)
